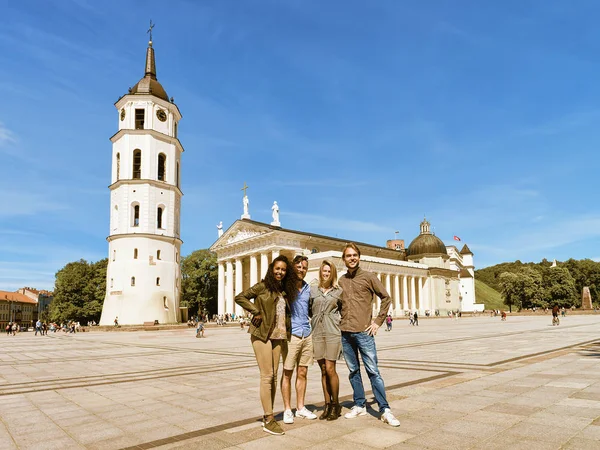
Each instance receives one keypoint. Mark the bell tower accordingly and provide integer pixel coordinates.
(143, 279)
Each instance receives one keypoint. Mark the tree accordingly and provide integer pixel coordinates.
(509, 288)
(199, 282)
(522, 289)
(79, 291)
(559, 287)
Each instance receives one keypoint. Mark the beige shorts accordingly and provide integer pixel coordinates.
(299, 352)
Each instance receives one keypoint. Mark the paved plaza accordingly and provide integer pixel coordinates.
(475, 382)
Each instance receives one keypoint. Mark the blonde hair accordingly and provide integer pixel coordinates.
(332, 281)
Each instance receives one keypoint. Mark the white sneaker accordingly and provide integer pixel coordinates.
(305, 414)
(355, 412)
(389, 418)
(288, 416)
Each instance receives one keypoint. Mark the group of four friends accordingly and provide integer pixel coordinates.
(298, 322)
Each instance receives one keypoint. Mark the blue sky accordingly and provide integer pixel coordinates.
(358, 117)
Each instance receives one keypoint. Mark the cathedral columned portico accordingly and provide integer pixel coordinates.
(246, 249)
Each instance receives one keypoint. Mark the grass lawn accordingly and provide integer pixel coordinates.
(490, 297)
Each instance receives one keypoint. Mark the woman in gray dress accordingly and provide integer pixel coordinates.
(325, 300)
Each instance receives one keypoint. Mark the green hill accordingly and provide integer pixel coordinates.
(490, 297)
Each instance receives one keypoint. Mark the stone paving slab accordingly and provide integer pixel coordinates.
(470, 383)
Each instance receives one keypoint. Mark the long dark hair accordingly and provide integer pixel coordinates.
(289, 284)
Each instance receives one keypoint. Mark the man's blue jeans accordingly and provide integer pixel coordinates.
(353, 343)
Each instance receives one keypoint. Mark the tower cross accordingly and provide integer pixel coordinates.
(150, 29)
(244, 188)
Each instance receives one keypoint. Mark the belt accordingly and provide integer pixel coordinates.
(300, 337)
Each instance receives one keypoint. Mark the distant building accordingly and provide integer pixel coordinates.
(43, 299)
(427, 276)
(17, 307)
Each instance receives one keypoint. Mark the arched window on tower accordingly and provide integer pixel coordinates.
(175, 130)
(137, 164)
(159, 217)
(118, 166)
(177, 175)
(133, 281)
(162, 167)
(136, 215)
(157, 254)
(135, 253)
(158, 281)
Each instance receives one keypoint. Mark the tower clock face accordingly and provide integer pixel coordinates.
(122, 114)
(162, 116)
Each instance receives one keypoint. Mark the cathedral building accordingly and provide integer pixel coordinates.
(428, 276)
(143, 280)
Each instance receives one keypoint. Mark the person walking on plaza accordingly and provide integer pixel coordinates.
(359, 330)
(270, 328)
(415, 319)
(555, 320)
(388, 323)
(38, 328)
(325, 300)
(300, 348)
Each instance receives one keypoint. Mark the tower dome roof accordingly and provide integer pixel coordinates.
(426, 243)
(149, 83)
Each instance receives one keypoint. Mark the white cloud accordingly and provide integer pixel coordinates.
(26, 203)
(321, 183)
(335, 224)
(6, 136)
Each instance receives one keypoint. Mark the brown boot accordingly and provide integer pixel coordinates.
(335, 412)
(325, 412)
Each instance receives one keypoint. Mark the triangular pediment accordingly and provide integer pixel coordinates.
(239, 231)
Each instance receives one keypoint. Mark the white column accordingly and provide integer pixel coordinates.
(420, 292)
(396, 295)
(413, 292)
(404, 293)
(221, 290)
(388, 288)
(264, 264)
(229, 288)
(274, 254)
(427, 295)
(253, 270)
(239, 284)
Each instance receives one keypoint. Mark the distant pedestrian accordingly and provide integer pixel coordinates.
(117, 321)
(416, 319)
(200, 330)
(38, 328)
(388, 322)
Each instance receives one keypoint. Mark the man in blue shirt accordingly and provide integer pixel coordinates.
(300, 348)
